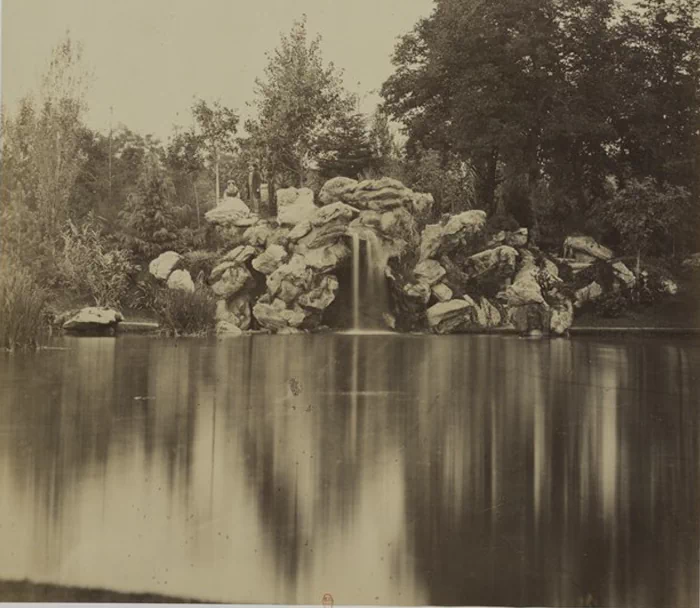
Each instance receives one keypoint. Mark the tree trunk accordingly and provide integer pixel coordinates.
(196, 198)
(216, 171)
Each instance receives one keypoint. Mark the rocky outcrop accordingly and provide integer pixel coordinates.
(270, 259)
(231, 211)
(429, 272)
(500, 260)
(294, 206)
(590, 292)
(93, 319)
(181, 279)
(235, 311)
(163, 265)
(585, 248)
(459, 231)
(233, 280)
(450, 316)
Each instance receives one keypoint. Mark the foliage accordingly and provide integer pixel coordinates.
(90, 269)
(343, 148)
(186, 313)
(150, 217)
(560, 94)
(42, 158)
(298, 97)
(200, 263)
(647, 216)
(22, 307)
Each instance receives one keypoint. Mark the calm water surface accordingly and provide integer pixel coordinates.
(384, 470)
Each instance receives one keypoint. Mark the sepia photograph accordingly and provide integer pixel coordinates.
(350, 303)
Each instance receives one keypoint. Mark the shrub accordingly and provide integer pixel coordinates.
(199, 263)
(613, 304)
(186, 313)
(22, 308)
(87, 267)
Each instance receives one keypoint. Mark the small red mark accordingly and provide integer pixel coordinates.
(327, 600)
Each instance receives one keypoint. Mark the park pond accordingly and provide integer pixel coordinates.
(383, 469)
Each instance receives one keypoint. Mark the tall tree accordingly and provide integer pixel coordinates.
(216, 130)
(298, 97)
(344, 147)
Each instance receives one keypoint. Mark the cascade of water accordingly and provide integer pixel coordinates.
(355, 281)
(370, 297)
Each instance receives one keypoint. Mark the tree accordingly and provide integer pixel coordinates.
(149, 217)
(344, 147)
(42, 156)
(217, 126)
(297, 99)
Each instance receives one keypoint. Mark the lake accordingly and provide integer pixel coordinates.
(381, 469)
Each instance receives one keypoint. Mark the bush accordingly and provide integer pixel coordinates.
(199, 263)
(613, 304)
(22, 308)
(186, 313)
(88, 268)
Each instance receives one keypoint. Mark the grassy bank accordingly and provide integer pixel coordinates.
(27, 591)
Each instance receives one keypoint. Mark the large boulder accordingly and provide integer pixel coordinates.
(323, 235)
(299, 231)
(93, 318)
(429, 271)
(419, 292)
(396, 223)
(257, 235)
(623, 274)
(235, 311)
(239, 255)
(337, 190)
(487, 315)
(441, 292)
(321, 296)
(181, 279)
(295, 205)
(275, 315)
(525, 288)
(333, 212)
(585, 249)
(290, 280)
(163, 265)
(225, 329)
(230, 210)
(459, 230)
(589, 293)
(446, 317)
(500, 259)
(270, 259)
(325, 259)
(380, 194)
(232, 281)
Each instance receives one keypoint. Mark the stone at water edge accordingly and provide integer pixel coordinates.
(235, 311)
(441, 292)
(487, 314)
(163, 265)
(429, 271)
(444, 317)
(229, 330)
(562, 317)
(93, 318)
(295, 206)
(277, 316)
(270, 259)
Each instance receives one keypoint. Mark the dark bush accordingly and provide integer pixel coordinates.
(183, 313)
(22, 308)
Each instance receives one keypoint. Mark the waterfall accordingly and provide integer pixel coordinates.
(370, 298)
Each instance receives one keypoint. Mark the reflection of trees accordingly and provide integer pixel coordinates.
(555, 471)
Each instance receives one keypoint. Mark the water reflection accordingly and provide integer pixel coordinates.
(383, 469)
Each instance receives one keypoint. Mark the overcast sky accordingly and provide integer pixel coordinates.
(150, 57)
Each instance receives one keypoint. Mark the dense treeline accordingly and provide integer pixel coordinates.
(557, 105)
(559, 115)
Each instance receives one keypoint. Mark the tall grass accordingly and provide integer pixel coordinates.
(22, 308)
(186, 314)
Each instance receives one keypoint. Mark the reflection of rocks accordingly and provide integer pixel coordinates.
(163, 265)
(93, 318)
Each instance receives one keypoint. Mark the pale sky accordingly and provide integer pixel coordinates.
(151, 57)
